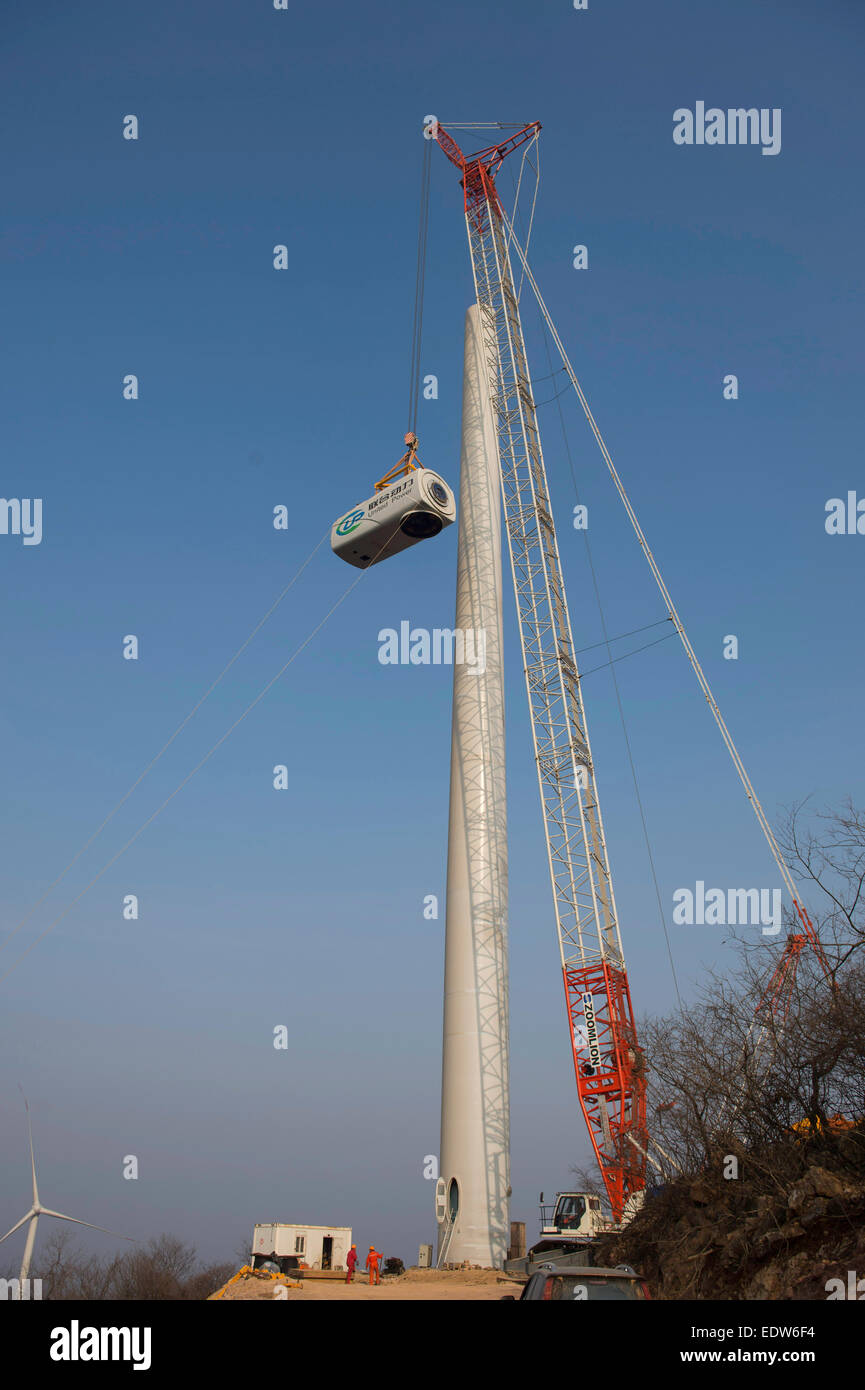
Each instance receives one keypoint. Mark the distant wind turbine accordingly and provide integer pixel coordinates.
(38, 1210)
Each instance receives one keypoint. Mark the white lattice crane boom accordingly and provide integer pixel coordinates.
(607, 1059)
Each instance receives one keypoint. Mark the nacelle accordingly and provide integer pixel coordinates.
(407, 511)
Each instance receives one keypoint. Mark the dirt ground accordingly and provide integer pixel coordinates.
(415, 1285)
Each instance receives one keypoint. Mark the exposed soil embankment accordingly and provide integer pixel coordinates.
(792, 1220)
(416, 1284)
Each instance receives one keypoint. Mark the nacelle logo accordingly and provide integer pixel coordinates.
(588, 1002)
(349, 523)
(385, 498)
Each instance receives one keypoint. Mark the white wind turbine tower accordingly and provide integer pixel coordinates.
(38, 1210)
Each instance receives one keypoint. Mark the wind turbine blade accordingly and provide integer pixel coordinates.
(61, 1216)
(17, 1227)
(32, 1159)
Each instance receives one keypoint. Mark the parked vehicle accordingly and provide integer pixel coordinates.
(553, 1250)
(571, 1283)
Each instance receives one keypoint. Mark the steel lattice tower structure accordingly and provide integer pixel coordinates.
(608, 1062)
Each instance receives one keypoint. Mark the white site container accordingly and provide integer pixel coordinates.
(317, 1247)
(401, 514)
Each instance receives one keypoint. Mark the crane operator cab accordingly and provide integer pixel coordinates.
(570, 1210)
(576, 1214)
(410, 504)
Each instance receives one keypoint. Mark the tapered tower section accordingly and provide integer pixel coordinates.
(474, 1187)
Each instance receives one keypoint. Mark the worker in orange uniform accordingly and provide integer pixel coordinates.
(372, 1260)
(351, 1261)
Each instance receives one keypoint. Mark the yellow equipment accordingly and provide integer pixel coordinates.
(247, 1272)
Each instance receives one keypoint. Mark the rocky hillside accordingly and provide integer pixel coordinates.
(793, 1219)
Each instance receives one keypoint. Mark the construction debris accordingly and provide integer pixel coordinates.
(265, 1275)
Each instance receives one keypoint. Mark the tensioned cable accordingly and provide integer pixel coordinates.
(674, 617)
(485, 125)
(420, 279)
(633, 632)
(619, 702)
(550, 399)
(616, 659)
(181, 726)
(537, 145)
(536, 381)
(782, 866)
(523, 254)
(230, 730)
(769, 834)
(535, 141)
(607, 640)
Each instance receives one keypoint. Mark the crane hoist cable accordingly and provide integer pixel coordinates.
(420, 278)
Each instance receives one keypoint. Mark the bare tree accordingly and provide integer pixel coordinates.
(203, 1282)
(829, 851)
(728, 1074)
(164, 1269)
(243, 1252)
(157, 1271)
(69, 1276)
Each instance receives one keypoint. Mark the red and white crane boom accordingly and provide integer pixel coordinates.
(607, 1059)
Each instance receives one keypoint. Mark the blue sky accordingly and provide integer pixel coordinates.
(259, 387)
